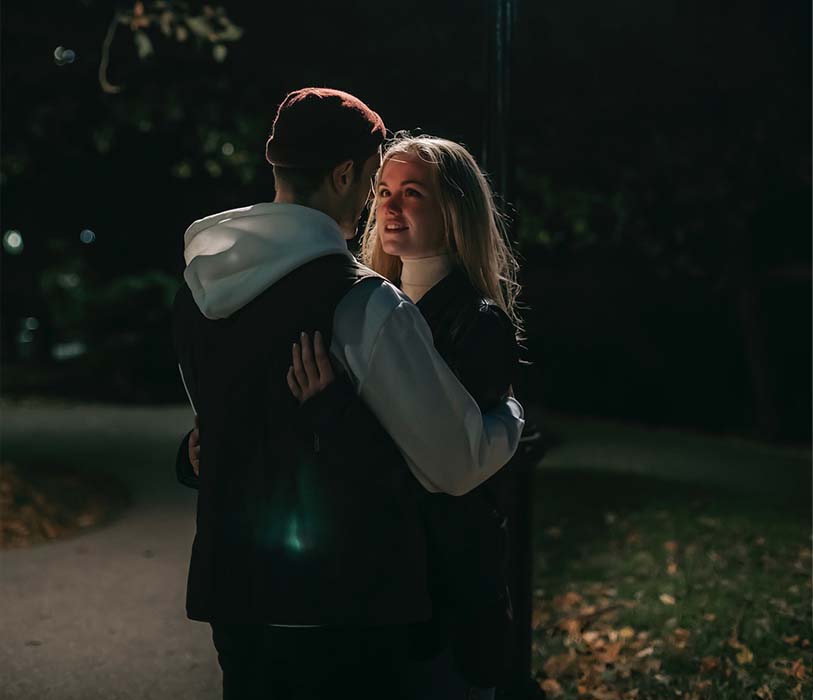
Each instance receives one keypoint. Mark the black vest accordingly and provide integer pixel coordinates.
(287, 534)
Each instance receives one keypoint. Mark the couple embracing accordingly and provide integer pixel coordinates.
(352, 418)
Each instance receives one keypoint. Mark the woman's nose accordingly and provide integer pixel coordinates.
(394, 204)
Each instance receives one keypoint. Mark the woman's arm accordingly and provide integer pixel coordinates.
(485, 355)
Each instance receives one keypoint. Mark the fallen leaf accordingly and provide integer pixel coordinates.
(797, 670)
(764, 693)
(791, 640)
(645, 652)
(671, 568)
(568, 600)
(626, 633)
(709, 663)
(709, 617)
(745, 656)
(671, 546)
(559, 664)
(590, 636)
(571, 625)
(551, 687)
(610, 654)
(667, 599)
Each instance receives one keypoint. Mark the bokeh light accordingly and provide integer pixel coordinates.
(13, 242)
(227, 149)
(63, 56)
(31, 323)
(68, 280)
(87, 236)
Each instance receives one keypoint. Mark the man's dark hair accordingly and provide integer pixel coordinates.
(304, 182)
(314, 130)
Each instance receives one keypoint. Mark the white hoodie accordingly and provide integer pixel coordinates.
(379, 337)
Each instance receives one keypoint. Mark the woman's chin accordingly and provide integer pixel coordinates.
(395, 250)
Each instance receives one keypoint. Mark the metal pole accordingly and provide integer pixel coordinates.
(519, 491)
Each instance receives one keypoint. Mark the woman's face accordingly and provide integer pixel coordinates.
(408, 214)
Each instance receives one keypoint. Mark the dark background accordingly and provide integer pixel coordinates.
(661, 160)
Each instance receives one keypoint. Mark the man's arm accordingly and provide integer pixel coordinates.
(448, 444)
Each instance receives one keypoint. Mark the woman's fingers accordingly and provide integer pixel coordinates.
(308, 361)
(293, 385)
(322, 360)
(299, 370)
(310, 370)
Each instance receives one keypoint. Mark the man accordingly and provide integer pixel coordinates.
(309, 570)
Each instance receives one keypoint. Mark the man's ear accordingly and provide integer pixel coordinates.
(342, 176)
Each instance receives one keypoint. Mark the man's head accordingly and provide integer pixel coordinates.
(325, 147)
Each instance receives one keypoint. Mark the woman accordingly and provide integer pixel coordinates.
(435, 232)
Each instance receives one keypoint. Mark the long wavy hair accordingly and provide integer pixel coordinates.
(475, 229)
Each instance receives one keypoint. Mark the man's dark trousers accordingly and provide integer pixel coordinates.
(290, 663)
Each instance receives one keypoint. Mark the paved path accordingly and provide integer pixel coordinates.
(780, 474)
(101, 615)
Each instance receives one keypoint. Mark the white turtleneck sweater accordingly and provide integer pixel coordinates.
(419, 275)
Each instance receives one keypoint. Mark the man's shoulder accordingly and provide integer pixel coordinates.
(372, 297)
(363, 313)
(222, 216)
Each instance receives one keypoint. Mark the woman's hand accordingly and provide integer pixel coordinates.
(194, 448)
(311, 371)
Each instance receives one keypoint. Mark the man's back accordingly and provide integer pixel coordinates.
(285, 535)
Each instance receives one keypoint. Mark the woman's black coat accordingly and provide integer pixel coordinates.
(466, 535)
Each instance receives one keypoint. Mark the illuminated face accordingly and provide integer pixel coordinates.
(408, 214)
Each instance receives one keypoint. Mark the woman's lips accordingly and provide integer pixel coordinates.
(395, 228)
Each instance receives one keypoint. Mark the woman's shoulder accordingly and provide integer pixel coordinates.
(481, 321)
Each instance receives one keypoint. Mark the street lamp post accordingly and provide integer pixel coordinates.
(519, 492)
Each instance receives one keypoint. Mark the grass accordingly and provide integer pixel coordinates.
(648, 588)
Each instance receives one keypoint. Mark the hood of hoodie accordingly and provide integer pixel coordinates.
(234, 256)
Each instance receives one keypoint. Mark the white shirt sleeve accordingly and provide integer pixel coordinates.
(448, 444)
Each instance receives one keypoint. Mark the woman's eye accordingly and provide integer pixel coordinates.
(384, 193)
(413, 193)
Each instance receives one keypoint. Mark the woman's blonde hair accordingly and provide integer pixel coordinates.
(475, 230)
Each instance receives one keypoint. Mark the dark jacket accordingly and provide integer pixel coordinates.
(281, 538)
(466, 535)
